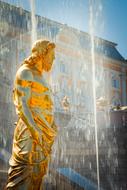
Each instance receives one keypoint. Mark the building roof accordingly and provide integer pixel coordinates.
(101, 46)
(18, 18)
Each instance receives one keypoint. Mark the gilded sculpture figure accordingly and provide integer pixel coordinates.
(35, 131)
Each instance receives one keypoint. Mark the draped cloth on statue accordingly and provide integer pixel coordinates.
(29, 161)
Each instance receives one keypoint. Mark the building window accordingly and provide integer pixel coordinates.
(115, 83)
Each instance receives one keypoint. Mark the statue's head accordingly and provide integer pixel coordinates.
(43, 55)
(44, 50)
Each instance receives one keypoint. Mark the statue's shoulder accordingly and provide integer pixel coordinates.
(24, 73)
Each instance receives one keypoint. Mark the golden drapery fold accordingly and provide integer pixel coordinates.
(29, 161)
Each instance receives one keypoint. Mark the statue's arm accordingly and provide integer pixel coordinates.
(23, 83)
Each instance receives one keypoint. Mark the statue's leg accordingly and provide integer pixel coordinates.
(28, 164)
(20, 171)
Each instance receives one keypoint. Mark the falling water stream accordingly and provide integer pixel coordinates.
(33, 22)
(91, 20)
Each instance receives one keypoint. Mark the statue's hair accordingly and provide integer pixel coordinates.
(39, 49)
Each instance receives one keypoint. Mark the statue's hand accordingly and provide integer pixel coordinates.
(36, 136)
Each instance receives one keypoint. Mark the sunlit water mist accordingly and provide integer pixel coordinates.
(33, 22)
(91, 25)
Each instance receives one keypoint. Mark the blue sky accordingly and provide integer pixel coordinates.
(110, 16)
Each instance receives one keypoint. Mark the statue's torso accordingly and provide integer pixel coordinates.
(40, 102)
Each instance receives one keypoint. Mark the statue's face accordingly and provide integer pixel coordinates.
(48, 60)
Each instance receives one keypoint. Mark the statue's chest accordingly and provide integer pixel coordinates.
(39, 85)
(41, 91)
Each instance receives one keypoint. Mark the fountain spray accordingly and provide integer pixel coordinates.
(33, 22)
(91, 22)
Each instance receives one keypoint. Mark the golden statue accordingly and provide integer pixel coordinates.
(35, 131)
